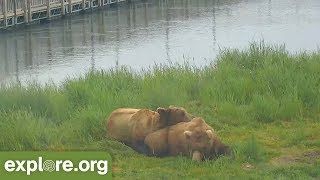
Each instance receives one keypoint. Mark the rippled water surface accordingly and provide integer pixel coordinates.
(140, 34)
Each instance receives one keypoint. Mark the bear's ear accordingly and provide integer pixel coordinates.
(209, 133)
(187, 134)
(198, 120)
(163, 113)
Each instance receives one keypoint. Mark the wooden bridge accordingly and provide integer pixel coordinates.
(15, 12)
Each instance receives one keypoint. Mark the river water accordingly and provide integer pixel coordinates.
(144, 33)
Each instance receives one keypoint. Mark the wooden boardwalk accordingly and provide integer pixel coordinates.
(15, 12)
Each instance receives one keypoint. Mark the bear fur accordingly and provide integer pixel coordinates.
(195, 139)
(131, 126)
(118, 124)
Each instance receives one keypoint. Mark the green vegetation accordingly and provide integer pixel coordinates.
(262, 101)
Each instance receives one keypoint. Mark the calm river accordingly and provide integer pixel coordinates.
(143, 33)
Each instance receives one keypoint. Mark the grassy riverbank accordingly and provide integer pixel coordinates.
(262, 101)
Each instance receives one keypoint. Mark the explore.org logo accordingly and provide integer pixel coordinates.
(82, 165)
(29, 166)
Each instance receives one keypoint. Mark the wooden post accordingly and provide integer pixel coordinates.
(83, 5)
(63, 10)
(48, 9)
(29, 11)
(25, 9)
(70, 6)
(5, 13)
(15, 19)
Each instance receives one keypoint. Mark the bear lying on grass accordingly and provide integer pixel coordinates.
(194, 138)
(131, 126)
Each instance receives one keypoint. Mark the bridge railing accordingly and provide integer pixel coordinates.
(21, 3)
(13, 12)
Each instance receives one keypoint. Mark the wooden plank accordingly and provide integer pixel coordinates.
(19, 13)
(39, 8)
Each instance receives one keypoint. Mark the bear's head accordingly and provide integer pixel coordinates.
(219, 149)
(174, 115)
(199, 140)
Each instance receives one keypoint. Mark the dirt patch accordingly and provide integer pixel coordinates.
(247, 166)
(313, 154)
(287, 160)
(116, 169)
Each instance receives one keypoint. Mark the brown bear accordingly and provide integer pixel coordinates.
(118, 123)
(131, 126)
(194, 138)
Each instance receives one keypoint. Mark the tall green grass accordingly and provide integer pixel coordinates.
(242, 88)
(262, 83)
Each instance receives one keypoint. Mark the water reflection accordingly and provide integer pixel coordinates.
(139, 34)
